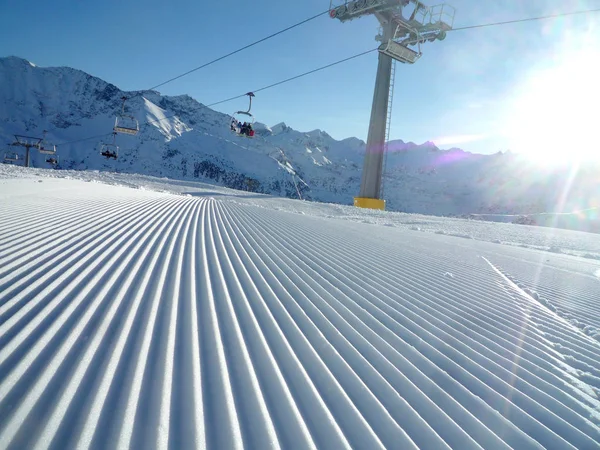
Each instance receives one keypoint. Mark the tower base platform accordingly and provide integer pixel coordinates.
(369, 203)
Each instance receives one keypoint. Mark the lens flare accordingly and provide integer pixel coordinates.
(554, 118)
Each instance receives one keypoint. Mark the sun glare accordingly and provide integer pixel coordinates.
(555, 118)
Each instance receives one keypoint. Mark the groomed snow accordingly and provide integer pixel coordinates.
(138, 312)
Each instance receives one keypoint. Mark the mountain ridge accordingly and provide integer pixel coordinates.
(182, 138)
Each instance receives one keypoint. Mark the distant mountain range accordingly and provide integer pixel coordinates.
(182, 139)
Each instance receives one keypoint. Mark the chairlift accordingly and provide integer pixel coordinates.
(125, 123)
(397, 48)
(110, 150)
(400, 52)
(45, 147)
(236, 125)
(11, 157)
(52, 160)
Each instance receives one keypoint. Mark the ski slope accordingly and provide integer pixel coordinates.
(147, 313)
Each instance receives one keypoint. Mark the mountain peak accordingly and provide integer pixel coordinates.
(429, 144)
(15, 61)
(281, 127)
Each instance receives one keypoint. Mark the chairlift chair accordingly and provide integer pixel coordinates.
(45, 147)
(110, 150)
(125, 123)
(235, 119)
(400, 52)
(11, 157)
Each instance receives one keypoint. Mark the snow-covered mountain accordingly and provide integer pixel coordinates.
(182, 139)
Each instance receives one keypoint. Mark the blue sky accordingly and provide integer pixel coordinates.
(463, 92)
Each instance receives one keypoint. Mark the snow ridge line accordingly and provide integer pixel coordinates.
(534, 373)
(67, 398)
(64, 243)
(84, 286)
(279, 398)
(575, 302)
(51, 274)
(416, 379)
(353, 430)
(592, 342)
(323, 325)
(177, 322)
(290, 236)
(522, 342)
(61, 219)
(130, 296)
(61, 223)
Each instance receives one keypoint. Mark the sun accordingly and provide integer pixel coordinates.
(555, 118)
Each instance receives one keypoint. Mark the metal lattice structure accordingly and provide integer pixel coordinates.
(388, 127)
(425, 24)
(401, 39)
(27, 142)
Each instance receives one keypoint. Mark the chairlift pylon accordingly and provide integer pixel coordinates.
(125, 123)
(237, 125)
(110, 150)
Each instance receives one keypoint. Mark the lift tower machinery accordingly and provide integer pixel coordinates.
(398, 34)
(28, 143)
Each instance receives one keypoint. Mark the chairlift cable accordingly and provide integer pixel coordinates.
(241, 49)
(529, 19)
(264, 88)
(287, 80)
(342, 61)
(237, 51)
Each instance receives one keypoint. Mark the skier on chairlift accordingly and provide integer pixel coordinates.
(245, 128)
(108, 154)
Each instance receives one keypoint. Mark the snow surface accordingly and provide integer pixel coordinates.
(151, 313)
